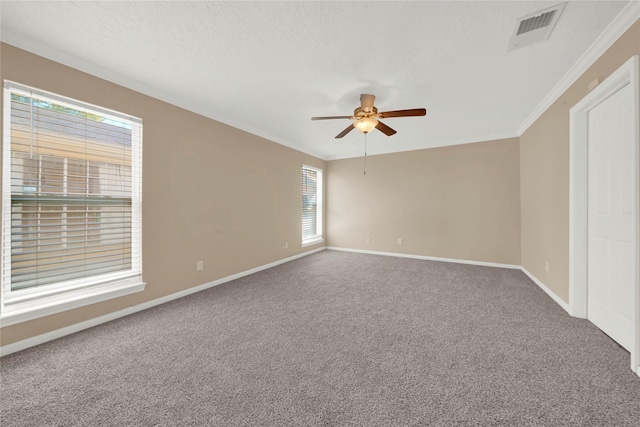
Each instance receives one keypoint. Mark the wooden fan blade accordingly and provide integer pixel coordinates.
(404, 113)
(385, 129)
(366, 102)
(346, 131)
(331, 117)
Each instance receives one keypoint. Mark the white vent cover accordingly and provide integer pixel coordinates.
(535, 27)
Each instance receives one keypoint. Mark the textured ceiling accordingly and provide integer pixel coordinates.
(267, 67)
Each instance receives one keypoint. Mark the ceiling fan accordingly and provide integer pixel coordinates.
(365, 117)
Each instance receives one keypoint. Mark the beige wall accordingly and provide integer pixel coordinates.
(544, 173)
(458, 202)
(232, 199)
(210, 192)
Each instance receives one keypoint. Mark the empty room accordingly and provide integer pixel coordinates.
(320, 213)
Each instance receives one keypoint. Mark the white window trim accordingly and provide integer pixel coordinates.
(29, 304)
(319, 237)
(69, 300)
(312, 241)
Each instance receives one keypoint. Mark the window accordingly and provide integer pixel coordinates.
(311, 205)
(71, 188)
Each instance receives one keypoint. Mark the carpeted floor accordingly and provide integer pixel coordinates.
(334, 339)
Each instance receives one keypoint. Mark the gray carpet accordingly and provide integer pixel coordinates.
(334, 339)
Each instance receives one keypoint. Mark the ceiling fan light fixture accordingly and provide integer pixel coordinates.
(365, 117)
(365, 124)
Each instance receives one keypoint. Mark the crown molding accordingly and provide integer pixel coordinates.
(625, 19)
(120, 79)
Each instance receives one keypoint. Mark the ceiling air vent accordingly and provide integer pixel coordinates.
(535, 27)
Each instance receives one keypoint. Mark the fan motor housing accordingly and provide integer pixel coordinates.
(359, 113)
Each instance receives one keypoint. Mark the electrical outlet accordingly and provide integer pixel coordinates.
(399, 241)
(286, 245)
(199, 265)
(546, 265)
(368, 240)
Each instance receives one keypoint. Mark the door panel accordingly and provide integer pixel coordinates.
(610, 262)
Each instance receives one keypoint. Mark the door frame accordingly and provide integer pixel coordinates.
(627, 74)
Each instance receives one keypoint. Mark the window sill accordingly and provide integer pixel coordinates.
(312, 241)
(35, 309)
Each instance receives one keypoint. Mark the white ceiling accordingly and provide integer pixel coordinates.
(267, 67)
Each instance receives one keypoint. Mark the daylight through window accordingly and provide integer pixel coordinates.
(71, 203)
(311, 205)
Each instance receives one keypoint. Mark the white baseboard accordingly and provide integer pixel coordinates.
(548, 291)
(535, 280)
(77, 327)
(49, 336)
(428, 258)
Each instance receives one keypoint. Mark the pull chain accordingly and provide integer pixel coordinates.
(365, 155)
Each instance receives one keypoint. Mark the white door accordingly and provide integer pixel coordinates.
(610, 304)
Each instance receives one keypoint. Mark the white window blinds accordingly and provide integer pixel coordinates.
(71, 195)
(311, 205)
